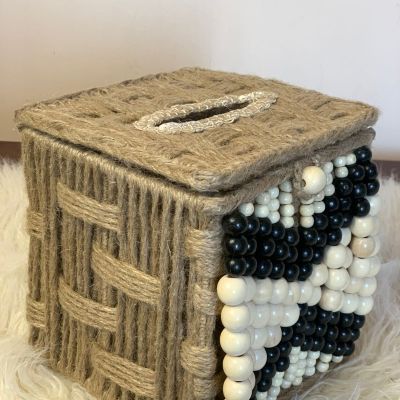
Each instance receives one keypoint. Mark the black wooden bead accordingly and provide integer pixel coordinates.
(251, 265)
(300, 325)
(318, 343)
(305, 253)
(372, 187)
(292, 236)
(235, 246)
(282, 364)
(335, 316)
(265, 227)
(307, 344)
(292, 255)
(303, 309)
(349, 349)
(363, 154)
(273, 354)
(318, 255)
(345, 203)
(235, 266)
(264, 268)
(251, 246)
(309, 328)
(354, 334)
(340, 349)
(308, 236)
(285, 348)
(361, 207)
(278, 231)
(253, 225)
(344, 335)
(234, 224)
(287, 333)
(322, 239)
(332, 332)
(291, 273)
(335, 220)
(323, 316)
(329, 347)
(266, 247)
(359, 190)
(281, 250)
(371, 171)
(305, 271)
(298, 339)
(278, 269)
(331, 203)
(264, 384)
(268, 371)
(358, 321)
(343, 186)
(334, 237)
(320, 221)
(347, 218)
(346, 320)
(311, 314)
(320, 329)
(356, 172)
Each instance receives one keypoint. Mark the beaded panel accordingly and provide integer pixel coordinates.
(300, 277)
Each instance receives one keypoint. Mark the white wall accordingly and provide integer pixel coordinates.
(344, 48)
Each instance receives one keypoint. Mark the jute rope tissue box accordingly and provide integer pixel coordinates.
(199, 234)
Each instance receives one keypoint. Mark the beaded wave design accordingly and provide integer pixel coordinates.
(300, 277)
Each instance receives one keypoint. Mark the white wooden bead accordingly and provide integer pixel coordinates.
(354, 285)
(261, 211)
(297, 381)
(341, 172)
(319, 275)
(328, 167)
(289, 374)
(375, 266)
(287, 210)
(331, 300)
(346, 236)
(302, 354)
(290, 315)
(338, 279)
(337, 359)
(252, 309)
(274, 217)
(276, 314)
(368, 287)
(280, 374)
(286, 186)
(260, 336)
(262, 315)
(307, 201)
(319, 196)
(286, 384)
(329, 190)
(329, 179)
(349, 258)
(235, 343)
(252, 380)
(319, 207)
(237, 390)
(306, 222)
(231, 291)
(293, 358)
(326, 358)
(273, 392)
(351, 159)
(250, 288)
(300, 372)
(314, 179)
(306, 291)
(335, 256)
(306, 210)
(360, 267)
(274, 205)
(316, 296)
(350, 303)
(261, 395)
(314, 354)
(235, 318)
(285, 198)
(246, 209)
(274, 336)
(310, 362)
(340, 161)
(260, 359)
(362, 247)
(322, 367)
(309, 371)
(302, 364)
(280, 289)
(378, 244)
(238, 368)
(288, 222)
(263, 291)
(365, 305)
(375, 204)
(263, 198)
(362, 226)
(293, 294)
(273, 192)
(277, 381)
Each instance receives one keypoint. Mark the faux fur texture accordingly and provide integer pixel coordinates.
(372, 373)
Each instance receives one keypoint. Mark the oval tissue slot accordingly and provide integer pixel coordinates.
(196, 117)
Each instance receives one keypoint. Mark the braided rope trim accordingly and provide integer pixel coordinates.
(34, 222)
(87, 209)
(85, 310)
(35, 313)
(125, 277)
(158, 121)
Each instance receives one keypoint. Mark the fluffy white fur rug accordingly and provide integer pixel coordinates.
(372, 373)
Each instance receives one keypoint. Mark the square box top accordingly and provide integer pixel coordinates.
(206, 130)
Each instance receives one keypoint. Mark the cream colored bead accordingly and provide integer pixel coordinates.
(274, 336)
(322, 367)
(263, 198)
(363, 226)
(362, 247)
(346, 236)
(263, 291)
(337, 359)
(331, 300)
(341, 172)
(328, 167)
(277, 381)
(354, 285)
(309, 371)
(259, 338)
(237, 390)
(375, 204)
(314, 354)
(302, 364)
(314, 179)
(319, 196)
(235, 318)
(280, 289)
(306, 222)
(261, 211)
(319, 275)
(340, 161)
(274, 217)
(273, 192)
(290, 315)
(286, 384)
(252, 380)
(235, 343)
(326, 358)
(232, 291)
(360, 267)
(261, 395)
(297, 381)
(246, 209)
(368, 287)
(276, 314)
(329, 179)
(296, 350)
(274, 205)
(351, 159)
(350, 303)
(250, 288)
(300, 372)
(329, 190)
(273, 392)
(306, 210)
(378, 245)
(338, 279)
(319, 207)
(365, 305)
(288, 222)
(285, 198)
(262, 315)
(287, 210)
(260, 359)
(286, 186)
(316, 296)
(375, 266)
(238, 368)
(293, 294)
(335, 256)
(349, 258)
(310, 362)
(306, 291)
(253, 311)
(307, 201)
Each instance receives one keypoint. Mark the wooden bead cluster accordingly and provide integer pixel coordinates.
(300, 277)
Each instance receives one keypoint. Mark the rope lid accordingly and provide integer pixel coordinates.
(206, 130)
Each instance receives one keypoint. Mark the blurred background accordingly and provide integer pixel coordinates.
(344, 48)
